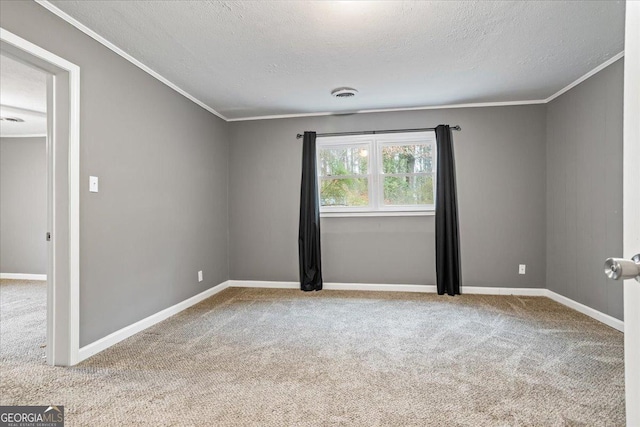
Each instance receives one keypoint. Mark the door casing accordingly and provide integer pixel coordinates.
(63, 195)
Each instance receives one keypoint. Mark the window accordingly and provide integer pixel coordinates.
(377, 174)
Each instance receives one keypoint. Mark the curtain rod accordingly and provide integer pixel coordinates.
(375, 132)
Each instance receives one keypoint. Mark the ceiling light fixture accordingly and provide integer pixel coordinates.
(11, 119)
(344, 92)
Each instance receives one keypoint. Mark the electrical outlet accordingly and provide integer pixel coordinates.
(200, 279)
(522, 269)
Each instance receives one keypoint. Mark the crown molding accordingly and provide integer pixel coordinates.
(35, 135)
(585, 77)
(97, 37)
(18, 110)
(80, 26)
(390, 110)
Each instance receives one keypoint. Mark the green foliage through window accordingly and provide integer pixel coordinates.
(402, 173)
(401, 165)
(344, 192)
(347, 165)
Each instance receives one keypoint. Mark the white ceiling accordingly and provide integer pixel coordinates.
(23, 94)
(247, 59)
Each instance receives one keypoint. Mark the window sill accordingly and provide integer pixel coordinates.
(376, 214)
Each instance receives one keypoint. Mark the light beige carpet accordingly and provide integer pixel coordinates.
(255, 357)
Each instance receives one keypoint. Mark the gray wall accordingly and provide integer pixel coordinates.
(161, 213)
(500, 160)
(23, 205)
(584, 190)
(165, 167)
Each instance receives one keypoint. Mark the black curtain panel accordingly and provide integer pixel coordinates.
(447, 238)
(309, 231)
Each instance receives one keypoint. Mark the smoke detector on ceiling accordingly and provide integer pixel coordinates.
(11, 119)
(344, 92)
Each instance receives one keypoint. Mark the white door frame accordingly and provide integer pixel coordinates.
(631, 208)
(63, 194)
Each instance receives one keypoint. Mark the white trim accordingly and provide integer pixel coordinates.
(262, 284)
(74, 213)
(23, 276)
(128, 331)
(35, 50)
(17, 110)
(591, 312)
(51, 215)
(387, 287)
(390, 110)
(375, 144)
(445, 106)
(466, 290)
(524, 292)
(124, 333)
(335, 286)
(80, 26)
(429, 289)
(631, 209)
(585, 77)
(69, 339)
(25, 136)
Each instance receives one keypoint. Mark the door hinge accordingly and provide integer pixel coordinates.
(48, 236)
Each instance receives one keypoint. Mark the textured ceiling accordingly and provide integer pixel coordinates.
(23, 94)
(248, 59)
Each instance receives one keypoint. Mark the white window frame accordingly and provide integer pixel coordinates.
(375, 176)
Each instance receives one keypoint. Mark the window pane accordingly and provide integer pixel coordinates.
(408, 190)
(344, 161)
(344, 192)
(407, 158)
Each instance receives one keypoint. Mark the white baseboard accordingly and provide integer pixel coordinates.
(481, 290)
(591, 312)
(334, 286)
(23, 276)
(379, 287)
(430, 289)
(262, 284)
(119, 335)
(538, 292)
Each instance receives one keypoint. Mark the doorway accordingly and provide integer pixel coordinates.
(62, 166)
(23, 210)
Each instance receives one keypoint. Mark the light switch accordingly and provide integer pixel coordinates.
(93, 184)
